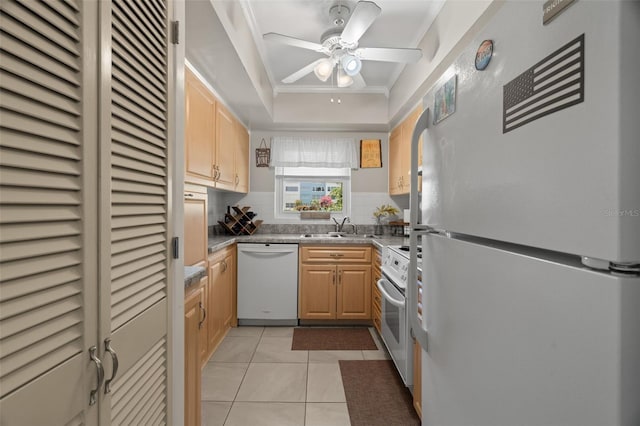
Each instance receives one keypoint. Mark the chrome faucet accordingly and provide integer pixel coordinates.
(340, 225)
(355, 228)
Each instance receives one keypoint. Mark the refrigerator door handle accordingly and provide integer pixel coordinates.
(417, 325)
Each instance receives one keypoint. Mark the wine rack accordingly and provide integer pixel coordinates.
(240, 222)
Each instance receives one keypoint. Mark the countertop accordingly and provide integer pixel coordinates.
(221, 241)
(193, 274)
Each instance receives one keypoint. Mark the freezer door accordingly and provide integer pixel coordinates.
(520, 340)
(567, 181)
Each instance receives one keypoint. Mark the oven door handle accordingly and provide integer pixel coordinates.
(387, 296)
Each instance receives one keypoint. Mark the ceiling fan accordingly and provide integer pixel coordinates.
(340, 44)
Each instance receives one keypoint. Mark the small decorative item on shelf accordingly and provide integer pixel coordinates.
(240, 222)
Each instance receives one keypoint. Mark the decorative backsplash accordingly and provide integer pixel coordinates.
(297, 228)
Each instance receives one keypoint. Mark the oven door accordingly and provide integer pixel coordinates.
(394, 327)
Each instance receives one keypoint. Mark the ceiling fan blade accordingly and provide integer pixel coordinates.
(292, 41)
(358, 82)
(384, 54)
(302, 72)
(361, 19)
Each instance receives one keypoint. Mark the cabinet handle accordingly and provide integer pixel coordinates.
(237, 180)
(334, 277)
(114, 360)
(337, 254)
(100, 370)
(188, 194)
(339, 277)
(204, 315)
(224, 265)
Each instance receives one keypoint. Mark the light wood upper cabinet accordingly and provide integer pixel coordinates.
(400, 155)
(200, 132)
(216, 143)
(225, 148)
(335, 282)
(242, 159)
(395, 161)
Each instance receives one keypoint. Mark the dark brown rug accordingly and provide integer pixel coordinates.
(376, 395)
(332, 339)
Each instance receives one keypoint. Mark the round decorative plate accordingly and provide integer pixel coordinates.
(484, 54)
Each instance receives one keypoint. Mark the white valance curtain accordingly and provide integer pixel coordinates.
(314, 152)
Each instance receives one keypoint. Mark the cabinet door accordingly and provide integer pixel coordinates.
(408, 126)
(48, 226)
(192, 372)
(395, 161)
(203, 332)
(317, 291)
(417, 377)
(225, 148)
(376, 296)
(215, 315)
(134, 208)
(354, 292)
(228, 278)
(195, 228)
(242, 159)
(200, 110)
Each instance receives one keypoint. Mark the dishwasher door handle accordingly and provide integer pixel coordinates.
(266, 251)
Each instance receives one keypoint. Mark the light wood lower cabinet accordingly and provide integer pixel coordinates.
(335, 283)
(417, 378)
(195, 225)
(192, 320)
(376, 296)
(203, 326)
(221, 296)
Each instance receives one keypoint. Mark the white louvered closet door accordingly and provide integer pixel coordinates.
(134, 208)
(48, 212)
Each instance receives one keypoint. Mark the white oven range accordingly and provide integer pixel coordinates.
(395, 328)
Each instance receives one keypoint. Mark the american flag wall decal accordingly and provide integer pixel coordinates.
(553, 84)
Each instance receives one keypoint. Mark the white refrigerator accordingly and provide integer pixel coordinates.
(530, 223)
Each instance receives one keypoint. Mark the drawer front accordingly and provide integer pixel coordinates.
(335, 254)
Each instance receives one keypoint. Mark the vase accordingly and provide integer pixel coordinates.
(377, 228)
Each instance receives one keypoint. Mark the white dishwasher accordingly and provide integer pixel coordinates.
(267, 284)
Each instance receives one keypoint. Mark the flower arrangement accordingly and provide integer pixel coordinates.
(325, 201)
(384, 211)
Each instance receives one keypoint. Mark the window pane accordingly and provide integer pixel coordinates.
(314, 194)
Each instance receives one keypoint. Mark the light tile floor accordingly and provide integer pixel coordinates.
(255, 379)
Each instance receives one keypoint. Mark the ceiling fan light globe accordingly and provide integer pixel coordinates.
(343, 79)
(324, 69)
(351, 64)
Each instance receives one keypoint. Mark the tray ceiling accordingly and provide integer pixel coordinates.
(224, 43)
